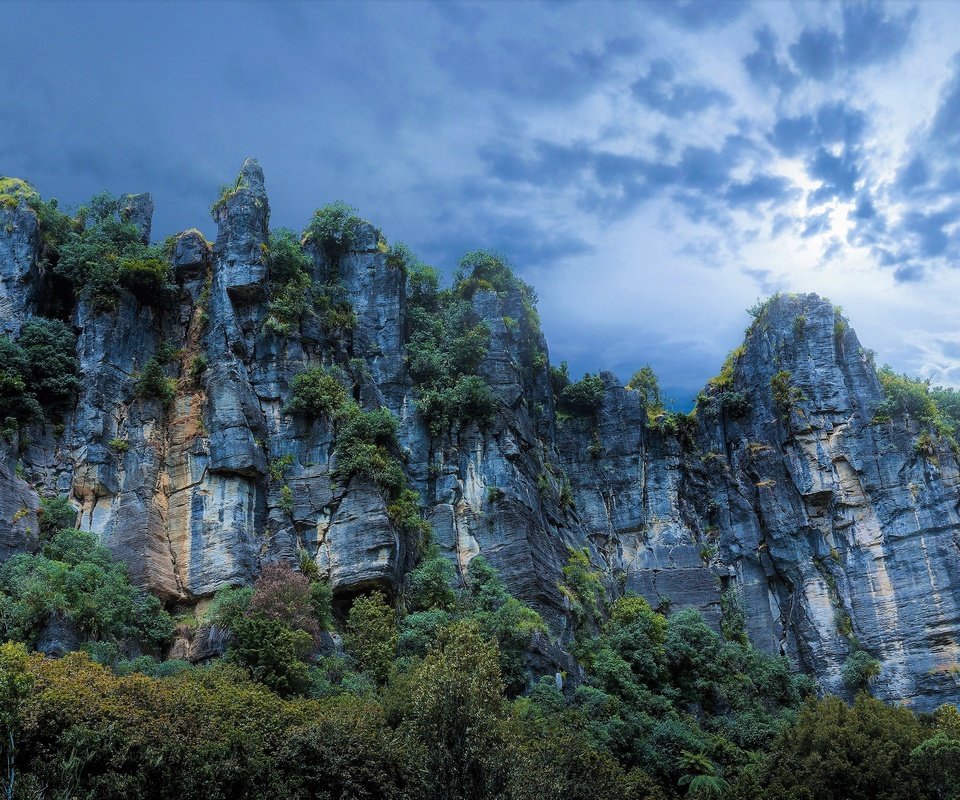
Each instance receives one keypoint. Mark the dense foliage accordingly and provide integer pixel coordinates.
(74, 581)
(103, 253)
(434, 697)
(448, 341)
(38, 372)
(580, 398)
(291, 287)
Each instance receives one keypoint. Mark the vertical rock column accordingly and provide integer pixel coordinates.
(227, 510)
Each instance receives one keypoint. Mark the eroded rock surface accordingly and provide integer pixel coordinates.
(823, 525)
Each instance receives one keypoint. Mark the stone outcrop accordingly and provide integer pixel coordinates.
(827, 528)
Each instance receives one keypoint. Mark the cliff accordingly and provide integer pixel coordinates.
(785, 498)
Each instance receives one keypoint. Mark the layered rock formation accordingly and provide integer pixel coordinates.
(790, 504)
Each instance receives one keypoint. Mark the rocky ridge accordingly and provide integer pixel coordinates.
(823, 524)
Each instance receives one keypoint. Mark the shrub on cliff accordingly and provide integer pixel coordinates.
(584, 397)
(446, 346)
(291, 287)
(105, 254)
(75, 578)
(333, 227)
(153, 384)
(317, 393)
(38, 372)
(484, 270)
(644, 381)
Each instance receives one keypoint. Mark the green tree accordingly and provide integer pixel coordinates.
(75, 577)
(456, 698)
(333, 227)
(317, 393)
(15, 685)
(645, 382)
(272, 652)
(371, 635)
(584, 397)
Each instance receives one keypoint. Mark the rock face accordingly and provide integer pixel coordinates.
(827, 529)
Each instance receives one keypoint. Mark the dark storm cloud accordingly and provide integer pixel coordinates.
(660, 90)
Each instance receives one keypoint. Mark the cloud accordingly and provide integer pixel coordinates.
(816, 224)
(817, 53)
(765, 67)
(830, 123)
(867, 37)
(761, 188)
(697, 15)
(660, 90)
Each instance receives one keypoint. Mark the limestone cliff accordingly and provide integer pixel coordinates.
(783, 495)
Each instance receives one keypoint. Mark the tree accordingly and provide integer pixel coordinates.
(859, 669)
(77, 578)
(272, 652)
(285, 596)
(644, 381)
(456, 698)
(838, 752)
(584, 397)
(371, 634)
(15, 685)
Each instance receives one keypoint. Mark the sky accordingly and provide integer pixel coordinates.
(652, 168)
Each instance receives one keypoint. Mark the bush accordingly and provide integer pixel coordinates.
(285, 596)
(198, 366)
(272, 653)
(785, 394)
(55, 514)
(38, 372)
(229, 604)
(291, 287)
(49, 346)
(585, 397)
(363, 449)
(431, 583)
(484, 270)
(446, 346)
(583, 585)
(147, 278)
(317, 393)
(153, 384)
(106, 254)
(859, 669)
(914, 397)
(333, 227)
(644, 381)
(371, 635)
(76, 578)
